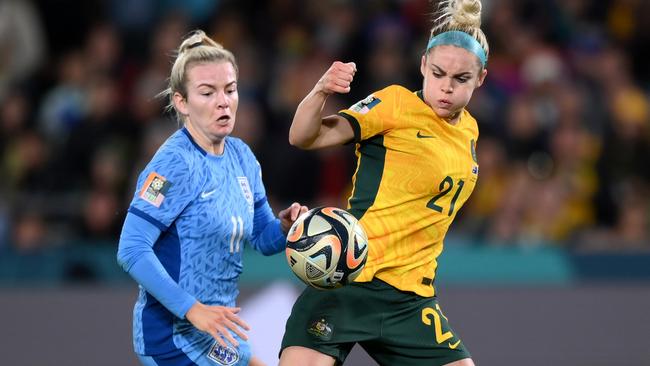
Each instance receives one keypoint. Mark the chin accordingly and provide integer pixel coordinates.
(443, 113)
(222, 131)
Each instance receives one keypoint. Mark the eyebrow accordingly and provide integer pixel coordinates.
(234, 82)
(440, 69)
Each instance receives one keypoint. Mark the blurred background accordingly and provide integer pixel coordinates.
(547, 264)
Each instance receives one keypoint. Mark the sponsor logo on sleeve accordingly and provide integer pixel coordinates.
(155, 188)
(364, 106)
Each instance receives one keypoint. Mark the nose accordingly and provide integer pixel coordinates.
(446, 86)
(222, 100)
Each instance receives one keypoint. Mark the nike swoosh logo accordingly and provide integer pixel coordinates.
(207, 194)
(421, 136)
(454, 345)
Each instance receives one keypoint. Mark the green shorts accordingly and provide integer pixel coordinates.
(394, 327)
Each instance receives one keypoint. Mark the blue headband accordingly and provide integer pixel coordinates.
(459, 39)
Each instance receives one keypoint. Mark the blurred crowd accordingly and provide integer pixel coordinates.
(564, 114)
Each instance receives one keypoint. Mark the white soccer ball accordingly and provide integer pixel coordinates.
(327, 247)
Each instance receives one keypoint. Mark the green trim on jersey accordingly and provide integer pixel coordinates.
(372, 158)
(355, 125)
(420, 95)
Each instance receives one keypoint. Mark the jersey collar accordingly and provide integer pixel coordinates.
(189, 136)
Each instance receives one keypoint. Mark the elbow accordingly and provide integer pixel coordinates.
(298, 139)
(295, 141)
(121, 259)
(292, 140)
(300, 143)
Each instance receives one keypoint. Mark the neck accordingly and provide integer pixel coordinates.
(214, 147)
(453, 119)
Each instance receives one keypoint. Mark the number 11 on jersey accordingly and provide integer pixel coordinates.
(237, 233)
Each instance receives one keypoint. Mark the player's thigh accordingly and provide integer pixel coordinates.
(208, 353)
(328, 322)
(414, 332)
(296, 355)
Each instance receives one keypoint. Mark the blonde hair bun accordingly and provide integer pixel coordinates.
(460, 15)
(465, 13)
(195, 39)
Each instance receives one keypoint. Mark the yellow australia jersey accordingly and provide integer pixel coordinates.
(414, 172)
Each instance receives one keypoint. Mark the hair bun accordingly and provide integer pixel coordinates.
(465, 13)
(194, 40)
(197, 38)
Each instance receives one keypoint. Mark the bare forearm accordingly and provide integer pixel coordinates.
(307, 121)
(309, 130)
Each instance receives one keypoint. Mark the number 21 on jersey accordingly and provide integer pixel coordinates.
(445, 187)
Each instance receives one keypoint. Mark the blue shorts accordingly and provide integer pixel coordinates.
(215, 355)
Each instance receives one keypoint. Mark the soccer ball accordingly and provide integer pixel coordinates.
(326, 247)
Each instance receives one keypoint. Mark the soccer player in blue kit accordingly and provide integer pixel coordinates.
(197, 202)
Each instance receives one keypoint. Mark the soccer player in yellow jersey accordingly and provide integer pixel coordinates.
(416, 167)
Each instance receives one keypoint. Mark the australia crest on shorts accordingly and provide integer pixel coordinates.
(225, 356)
(321, 329)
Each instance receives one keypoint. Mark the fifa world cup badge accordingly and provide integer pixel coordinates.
(155, 188)
(364, 106)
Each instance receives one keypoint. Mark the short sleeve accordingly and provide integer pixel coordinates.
(165, 187)
(373, 115)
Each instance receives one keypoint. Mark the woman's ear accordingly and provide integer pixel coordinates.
(180, 103)
(423, 65)
(481, 77)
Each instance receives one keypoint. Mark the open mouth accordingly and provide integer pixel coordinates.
(223, 119)
(444, 103)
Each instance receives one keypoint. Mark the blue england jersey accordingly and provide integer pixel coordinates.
(206, 208)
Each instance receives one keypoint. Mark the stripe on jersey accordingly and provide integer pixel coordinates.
(370, 168)
(147, 217)
(157, 321)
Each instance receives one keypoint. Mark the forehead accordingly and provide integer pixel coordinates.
(212, 73)
(454, 59)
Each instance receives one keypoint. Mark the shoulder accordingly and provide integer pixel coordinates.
(238, 146)
(384, 98)
(242, 151)
(469, 123)
(175, 148)
(177, 155)
(394, 95)
(395, 91)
